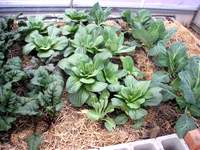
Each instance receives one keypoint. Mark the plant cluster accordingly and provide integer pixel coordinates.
(97, 64)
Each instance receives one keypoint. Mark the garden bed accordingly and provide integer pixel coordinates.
(135, 77)
(73, 130)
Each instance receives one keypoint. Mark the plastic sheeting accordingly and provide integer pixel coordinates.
(157, 4)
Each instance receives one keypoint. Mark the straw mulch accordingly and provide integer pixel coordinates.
(73, 131)
(186, 36)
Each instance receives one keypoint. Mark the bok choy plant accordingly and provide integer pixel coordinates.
(88, 39)
(73, 19)
(146, 30)
(98, 15)
(34, 23)
(114, 43)
(188, 84)
(83, 73)
(45, 45)
(134, 96)
(174, 58)
(101, 108)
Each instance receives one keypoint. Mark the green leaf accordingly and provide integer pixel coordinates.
(34, 141)
(184, 124)
(79, 98)
(138, 123)
(45, 54)
(73, 84)
(96, 87)
(127, 63)
(109, 124)
(137, 114)
(5, 123)
(116, 87)
(53, 31)
(28, 48)
(98, 15)
(29, 108)
(121, 119)
(117, 102)
(87, 81)
(61, 44)
(93, 115)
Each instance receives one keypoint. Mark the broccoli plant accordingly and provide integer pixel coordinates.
(45, 45)
(134, 95)
(83, 73)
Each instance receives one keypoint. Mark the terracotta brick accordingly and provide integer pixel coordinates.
(192, 139)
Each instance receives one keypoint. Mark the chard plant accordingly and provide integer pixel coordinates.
(134, 96)
(45, 46)
(7, 36)
(11, 72)
(47, 92)
(83, 73)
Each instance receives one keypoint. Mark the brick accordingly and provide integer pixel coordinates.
(170, 142)
(192, 139)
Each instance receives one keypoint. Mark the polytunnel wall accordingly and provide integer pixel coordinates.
(182, 10)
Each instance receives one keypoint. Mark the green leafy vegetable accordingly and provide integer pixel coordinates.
(184, 124)
(98, 15)
(83, 73)
(75, 16)
(134, 95)
(101, 108)
(34, 141)
(45, 45)
(128, 66)
(173, 58)
(34, 23)
(87, 39)
(140, 20)
(114, 42)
